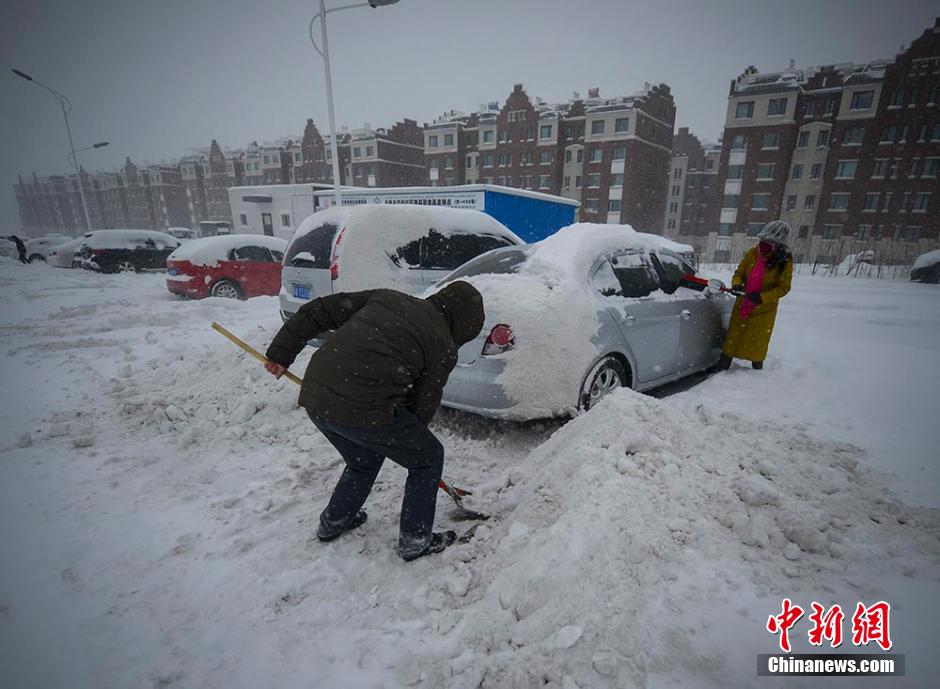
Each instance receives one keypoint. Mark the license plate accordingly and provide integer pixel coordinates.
(301, 291)
(174, 271)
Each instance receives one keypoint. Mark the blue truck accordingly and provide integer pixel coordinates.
(531, 215)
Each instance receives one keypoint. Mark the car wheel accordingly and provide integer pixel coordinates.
(126, 266)
(226, 289)
(606, 376)
(36, 257)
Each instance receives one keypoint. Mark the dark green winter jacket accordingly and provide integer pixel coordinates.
(389, 350)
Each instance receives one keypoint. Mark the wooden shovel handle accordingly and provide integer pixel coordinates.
(251, 350)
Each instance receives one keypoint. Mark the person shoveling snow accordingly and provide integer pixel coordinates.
(372, 389)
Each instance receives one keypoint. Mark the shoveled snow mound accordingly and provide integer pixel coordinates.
(208, 251)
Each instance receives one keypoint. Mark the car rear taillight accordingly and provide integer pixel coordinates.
(334, 256)
(499, 340)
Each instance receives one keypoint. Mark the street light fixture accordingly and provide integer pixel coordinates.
(100, 144)
(325, 54)
(66, 106)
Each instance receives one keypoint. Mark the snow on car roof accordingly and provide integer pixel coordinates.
(208, 251)
(116, 238)
(927, 259)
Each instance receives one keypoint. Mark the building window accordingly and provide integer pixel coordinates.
(846, 169)
(616, 179)
(803, 232)
(921, 201)
(862, 100)
(839, 202)
(449, 163)
(580, 155)
(879, 167)
(897, 99)
(568, 156)
(932, 168)
(487, 136)
(730, 200)
(776, 106)
(545, 131)
(765, 171)
(725, 229)
(468, 162)
(594, 180)
(932, 97)
(797, 171)
(675, 190)
(677, 173)
(760, 202)
(504, 159)
(791, 202)
(243, 219)
(613, 206)
(545, 157)
(597, 127)
(815, 170)
(567, 183)
(672, 223)
(285, 219)
(545, 181)
(803, 140)
(854, 136)
(864, 232)
(754, 228)
(597, 155)
(577, 181)
(822, 139)
(591, 205)
(913, 233)
(674, 207)
(935, 136)
(619, 152)
(622, 124)
(744, 110)
(448, 140)
(433, 163)
(738, 141)
(735, 172)
(888, 134)
(871, 201)
(432, 143)
(905, 201)
(369, 151)
(832, 231)
(889, 197)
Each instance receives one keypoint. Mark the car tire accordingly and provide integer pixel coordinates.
(36, 258)
(125, 266)
(607, 375)
(227, 289)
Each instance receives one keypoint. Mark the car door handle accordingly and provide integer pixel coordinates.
(629, 320)
(685, 314)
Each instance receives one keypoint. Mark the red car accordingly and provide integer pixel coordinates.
(236, 266)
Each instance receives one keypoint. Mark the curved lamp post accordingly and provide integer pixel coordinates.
(66, 106)
(325, 54)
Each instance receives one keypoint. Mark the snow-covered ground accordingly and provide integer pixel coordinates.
(158, 494)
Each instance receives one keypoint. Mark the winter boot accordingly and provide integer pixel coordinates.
(439, 541)
(757, 365)
(723, 363)
(326, 533)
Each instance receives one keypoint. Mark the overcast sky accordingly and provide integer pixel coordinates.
(158, 78)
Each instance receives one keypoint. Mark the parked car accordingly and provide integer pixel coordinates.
(67, 255)
(236, 266)
(114, 251)
(403, 247)
(577, 315)
(926, 267)
(37, 249)
(182, 233)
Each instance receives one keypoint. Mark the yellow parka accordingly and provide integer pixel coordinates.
(748, 338)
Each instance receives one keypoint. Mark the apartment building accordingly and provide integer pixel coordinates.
(386, 157)
(611, 154)
(847, 154)
(692, 189)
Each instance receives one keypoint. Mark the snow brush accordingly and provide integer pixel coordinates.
(702, 282)
(460, 514)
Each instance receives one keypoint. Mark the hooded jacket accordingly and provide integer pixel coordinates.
(388, 351)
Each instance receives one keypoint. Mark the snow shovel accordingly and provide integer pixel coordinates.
(696, 280)
(460, 514)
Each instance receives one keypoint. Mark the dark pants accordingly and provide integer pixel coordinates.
(23, 258)
(408, 443)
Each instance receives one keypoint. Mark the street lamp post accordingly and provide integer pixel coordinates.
(325, 54)
(66, 106)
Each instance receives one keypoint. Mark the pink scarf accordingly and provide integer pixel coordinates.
(755, 282)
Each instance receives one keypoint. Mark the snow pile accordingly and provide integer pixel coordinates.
(208, 251)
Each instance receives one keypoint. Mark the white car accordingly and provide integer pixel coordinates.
(66, 255)
(402, 247)
(38, 249)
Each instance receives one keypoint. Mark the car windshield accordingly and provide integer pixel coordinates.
(496, 262)
(312, 249)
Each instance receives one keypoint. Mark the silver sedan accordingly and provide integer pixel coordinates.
(572, 318)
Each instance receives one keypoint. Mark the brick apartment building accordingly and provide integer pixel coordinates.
(612, 154)
(386, 157)
(848, 154)
(316, 158)
(693, 189)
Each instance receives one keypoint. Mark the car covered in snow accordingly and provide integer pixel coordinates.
(182, 233)
(926, 267)
(569, 319)
(122, 251)
(37, 249)
(403, 247)
(68, 254)
(237, 266)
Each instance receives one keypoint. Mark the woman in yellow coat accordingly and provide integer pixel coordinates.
(763, 276)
